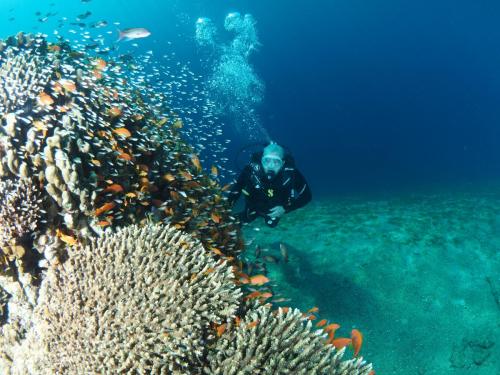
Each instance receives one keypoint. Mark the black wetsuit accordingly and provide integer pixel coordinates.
(288, 189)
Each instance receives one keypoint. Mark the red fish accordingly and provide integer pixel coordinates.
(357, 341)
(258, 280)
(341, 343)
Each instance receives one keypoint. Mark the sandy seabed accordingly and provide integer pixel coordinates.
(419, 275)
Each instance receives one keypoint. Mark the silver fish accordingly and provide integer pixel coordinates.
(133, 33)
(270, 259)
(284, 252)
(258, 251)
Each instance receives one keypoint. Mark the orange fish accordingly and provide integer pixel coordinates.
(45, 99)
(103, 223)
(186, 175)
(68, 84)
(321, 323)
(53, 48)
(313, 310)
(125, 156)
(58, 87)
(196, 162)
(216, 218)
(40, 126)
(114, 188)
(209, 270)
(115, 111)
(331, 327)
(97, 74)
(266, 295)
(258, 280)
(357, 341)
(252, 295)
(214, 171)
(217, 251)
(221, 329)
(70, 240)
(244, 278)
(104, 208)
(237, 320)
(100, 64)
(341, 343)
(124, 132)
(168, 177)
(253, 324)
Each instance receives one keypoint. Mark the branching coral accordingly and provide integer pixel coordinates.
(141, 299)
(275, 342)
(20, 211)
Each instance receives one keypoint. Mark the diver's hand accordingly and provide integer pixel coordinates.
(276, 212)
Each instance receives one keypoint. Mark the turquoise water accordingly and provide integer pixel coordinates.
(367, 96)
(417, 274)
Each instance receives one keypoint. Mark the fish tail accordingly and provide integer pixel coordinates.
(121, 35)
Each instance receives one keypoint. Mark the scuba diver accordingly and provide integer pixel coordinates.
(272, 186)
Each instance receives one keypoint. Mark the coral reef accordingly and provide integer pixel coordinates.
(117, 252)
(279, 342)
(80, 138)
(146, 299)
(78, 129)
(141, 299)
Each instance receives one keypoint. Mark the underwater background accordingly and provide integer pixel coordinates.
(390, 109)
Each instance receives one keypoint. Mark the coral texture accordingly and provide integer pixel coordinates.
(4, 297)
(275, 342)
(20, 211)
(141, 299)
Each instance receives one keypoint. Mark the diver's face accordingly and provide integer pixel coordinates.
(271, 165)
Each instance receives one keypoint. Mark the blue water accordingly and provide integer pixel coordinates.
(367, 95)
(372, 97)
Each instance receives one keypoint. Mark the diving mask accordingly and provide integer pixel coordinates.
(271, 164)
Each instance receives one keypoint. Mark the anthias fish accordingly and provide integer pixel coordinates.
(133, 33)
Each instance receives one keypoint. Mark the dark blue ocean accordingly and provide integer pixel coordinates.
(391, 110)
(367, 95)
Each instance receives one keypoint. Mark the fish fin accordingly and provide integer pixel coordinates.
(121, 36)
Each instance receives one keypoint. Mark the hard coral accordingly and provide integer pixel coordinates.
(138, 300)
(268, 342)
(82, 131)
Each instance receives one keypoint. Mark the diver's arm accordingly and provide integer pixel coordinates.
(302, 192)
(239, 185)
